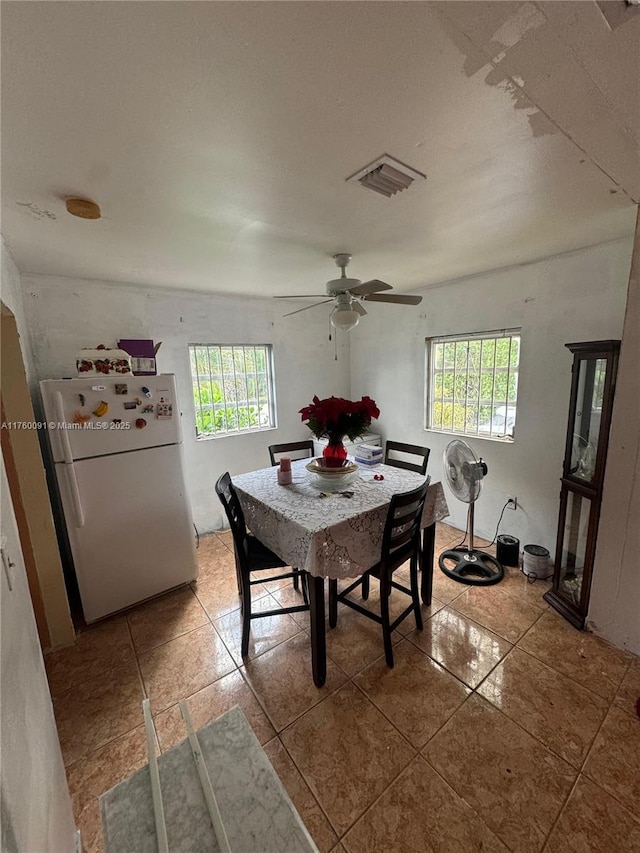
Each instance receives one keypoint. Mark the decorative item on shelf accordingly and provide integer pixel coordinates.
(335, 417)
(109, 362)
(143, 355)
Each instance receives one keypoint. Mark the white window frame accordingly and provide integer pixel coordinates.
(511, 369)
(265, 401)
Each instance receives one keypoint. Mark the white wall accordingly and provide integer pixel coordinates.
(12, 296)
(67, 314)
(36, 806)
(614, 610)
(574, 297)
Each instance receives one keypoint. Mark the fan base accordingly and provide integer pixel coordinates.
(471, 566)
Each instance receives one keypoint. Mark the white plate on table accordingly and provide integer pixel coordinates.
(331, 479)
(316, 466)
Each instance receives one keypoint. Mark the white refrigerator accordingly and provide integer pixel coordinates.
(117, 448)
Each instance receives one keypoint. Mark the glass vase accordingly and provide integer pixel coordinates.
(335, 453)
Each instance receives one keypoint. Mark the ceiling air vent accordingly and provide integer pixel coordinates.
(386, 176)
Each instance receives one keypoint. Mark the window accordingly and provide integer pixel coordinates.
(473, 384)
(232, 388)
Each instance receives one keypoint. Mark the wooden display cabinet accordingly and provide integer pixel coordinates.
(594, 369)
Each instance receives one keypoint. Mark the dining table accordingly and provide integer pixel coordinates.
(333, 531)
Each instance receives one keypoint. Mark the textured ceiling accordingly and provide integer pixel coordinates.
(217, 138)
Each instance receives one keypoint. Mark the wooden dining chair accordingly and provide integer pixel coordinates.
(400, 542)
(304, 448)
(252, 557)
(419, 464)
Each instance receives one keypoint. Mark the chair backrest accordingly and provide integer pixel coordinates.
(401, 537)
(302, 449)
(229, 500)
(418, 465)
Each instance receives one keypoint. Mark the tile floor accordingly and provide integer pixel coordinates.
(500, 727)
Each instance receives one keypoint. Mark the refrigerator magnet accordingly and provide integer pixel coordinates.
(131, 404)
(140, 423)
(164, 410)
(147, 409)
(101, 409)
(121, 388)
(81, 418)
(145, 391)
(138, 401)
(83, 399)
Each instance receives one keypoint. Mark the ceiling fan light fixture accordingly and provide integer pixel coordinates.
(344, 318)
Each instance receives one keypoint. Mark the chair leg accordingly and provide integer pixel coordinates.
(365, 587)
(415, 596)
(333, 602)
(246, 616)
(296, 581)
(305, 586)
(385, 590)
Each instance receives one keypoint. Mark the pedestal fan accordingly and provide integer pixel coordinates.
(464, 473)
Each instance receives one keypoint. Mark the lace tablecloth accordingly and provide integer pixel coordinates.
(333, 536)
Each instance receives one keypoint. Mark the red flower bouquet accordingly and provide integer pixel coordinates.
(336, 417)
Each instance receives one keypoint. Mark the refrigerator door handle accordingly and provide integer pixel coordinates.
(62, 432)
(78, 511)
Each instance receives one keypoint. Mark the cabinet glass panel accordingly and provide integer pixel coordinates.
(574, 546)
(586, 424)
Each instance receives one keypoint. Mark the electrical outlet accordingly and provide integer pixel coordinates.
(512, 502)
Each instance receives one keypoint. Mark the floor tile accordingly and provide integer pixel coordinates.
(208, 704)
(552, 707)
(356, 641)
(398, 602)
(306, 804)
(507, 616)
(419, 812)
(98, 773)
(516, 583)
(465, 648)
(217, 591)
(209, 543)
(165, 618)
(287, 596)
(98, 710)
(514, 783)
(582, 656)
(266, 632)
(97, 649)
(282, 678)
(213, 554)
(593, 822)
(347, 752)
(183, 666)
(445, 589)
(272, 586)
(417, 695)
(629, 692)
(614, 761)
(227, 537)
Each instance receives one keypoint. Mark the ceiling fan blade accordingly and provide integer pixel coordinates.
(355, 306)
(306, 307)
(372, 286)
(302, 296)
(399, 298)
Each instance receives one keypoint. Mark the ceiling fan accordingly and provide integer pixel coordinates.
(348, 294)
